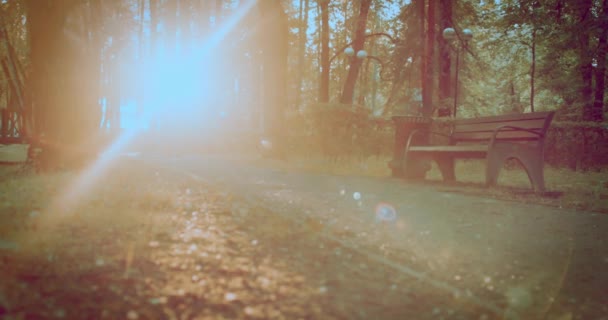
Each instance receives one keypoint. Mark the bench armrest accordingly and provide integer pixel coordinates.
(416, 131)
(499, 129)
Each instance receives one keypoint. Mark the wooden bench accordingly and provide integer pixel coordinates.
(495, 138)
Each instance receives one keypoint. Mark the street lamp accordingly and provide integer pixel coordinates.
(348, 51)
(450, 34)
(361, 54)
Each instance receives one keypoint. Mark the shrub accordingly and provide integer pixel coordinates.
(577, 145)
(339, 131)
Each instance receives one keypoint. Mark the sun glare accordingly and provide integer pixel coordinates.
(181, 92)
(191, 86)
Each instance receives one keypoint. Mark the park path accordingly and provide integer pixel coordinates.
(510, 258)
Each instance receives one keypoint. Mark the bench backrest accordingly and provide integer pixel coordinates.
(482, 128)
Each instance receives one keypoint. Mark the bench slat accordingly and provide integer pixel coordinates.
(507, 117)
(490, 126)
(482, 128)
(458, 148)
(486, 136)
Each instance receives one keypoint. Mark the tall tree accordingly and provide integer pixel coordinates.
(325, 67)
(445, 71)
(408, 51)
(429, 52)
(585, 66)
(358, 44)
(153, 4)
(64, 74)
(302, 37)
(141, 55)
(597, 113)
(274, 38)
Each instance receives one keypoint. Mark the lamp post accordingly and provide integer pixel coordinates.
(450, 34)
(348, 51)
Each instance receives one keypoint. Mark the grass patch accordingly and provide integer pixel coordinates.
(59, 261)
(14, 153)
(580, 190)
(373, 166)
(137, 244)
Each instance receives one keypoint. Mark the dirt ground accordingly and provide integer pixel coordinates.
(140, 240)
(150, 245)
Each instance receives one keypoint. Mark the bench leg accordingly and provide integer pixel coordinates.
(495, 162)
(446, 166)
(415, 168)
(530, 158)
(533, 164)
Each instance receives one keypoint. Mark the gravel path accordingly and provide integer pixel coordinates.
(509, 259)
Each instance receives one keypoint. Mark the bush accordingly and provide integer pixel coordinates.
(577, 145)
(339, 131)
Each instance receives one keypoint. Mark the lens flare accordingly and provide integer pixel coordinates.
(385, 212)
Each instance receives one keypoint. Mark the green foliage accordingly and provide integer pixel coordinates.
(577, 145)
(499, 79)
(343, 131)
(339, 131)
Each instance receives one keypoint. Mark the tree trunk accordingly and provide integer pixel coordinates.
(364, 81)
(325, 67)
(445, 72)
(302, 37)
(338, 78)
(44, 21)
(274, 34)
(597, 113)
(364, 72)
(533, 69)
(585, 59)
(65, 93)
(397, 83)
(4, 114)
(140, 58)
(94, 29)
(374, 73)
(428, 72)
(355, 63)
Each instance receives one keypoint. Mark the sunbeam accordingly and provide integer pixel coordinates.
(69, 198)
(194, 83)
(170, 80)
(229, 24)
